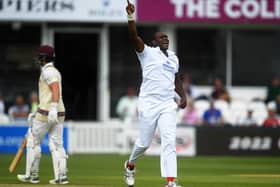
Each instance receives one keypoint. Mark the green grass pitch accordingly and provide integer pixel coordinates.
(107, 171)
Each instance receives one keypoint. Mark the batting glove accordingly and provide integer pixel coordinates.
(52, 116)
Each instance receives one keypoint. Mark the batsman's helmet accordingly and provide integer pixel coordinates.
(46, 53)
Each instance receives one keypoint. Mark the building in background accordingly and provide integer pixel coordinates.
(237, 41)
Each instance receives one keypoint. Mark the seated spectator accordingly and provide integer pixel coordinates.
(273, 89)
(277, 102)
(219, 91)
(213, 116)
(19, 111)
(127, 106)
(2, 104)
(33, 102)
(271, 120)
(249, 120)
(191, 115)
(3, 117)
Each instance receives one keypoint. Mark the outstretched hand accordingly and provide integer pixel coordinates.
(130, 9)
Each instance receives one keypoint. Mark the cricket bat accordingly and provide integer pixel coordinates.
(18, 155)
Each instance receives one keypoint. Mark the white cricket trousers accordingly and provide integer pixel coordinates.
(162, 116)
(36, 133)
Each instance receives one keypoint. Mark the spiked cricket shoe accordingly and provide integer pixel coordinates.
(129, 175)
(28, 179)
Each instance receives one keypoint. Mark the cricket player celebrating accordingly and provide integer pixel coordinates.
(156, 106)
(48, 118)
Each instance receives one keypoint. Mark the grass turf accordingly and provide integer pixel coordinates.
(107, 171)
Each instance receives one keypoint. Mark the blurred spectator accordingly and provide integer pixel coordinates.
(191, 115)
(249, 120)
(188, 87)
(277, 102)
(273, 89)
(213, 116)
(3, 117)
(127, 106)
(33, 102)
(19, 111)
(219, 91)
(2, 104)
(271, 120)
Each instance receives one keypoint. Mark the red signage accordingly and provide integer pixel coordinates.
(213, 11)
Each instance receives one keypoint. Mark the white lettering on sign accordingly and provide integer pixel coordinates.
(252, 9)
(265, 12)
(2, 141)
(277, 8)
(212, 9)
(194, 8)
(250, 143)
(179, 7)
(234, 9)
(231, 9)
(13, 140)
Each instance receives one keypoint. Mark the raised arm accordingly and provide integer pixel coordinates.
(179, 89)
(136, 40)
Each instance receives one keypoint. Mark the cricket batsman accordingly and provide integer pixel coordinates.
(156, 107)
(48, 119)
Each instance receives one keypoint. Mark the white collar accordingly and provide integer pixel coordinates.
(170, 53)
(47, 65)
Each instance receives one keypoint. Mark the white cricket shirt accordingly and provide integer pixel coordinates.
(158, 72)
(49, 74)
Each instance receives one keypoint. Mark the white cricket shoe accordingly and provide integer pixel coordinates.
(34, 179)
(129, 175)
(172, 184)
(62, 180)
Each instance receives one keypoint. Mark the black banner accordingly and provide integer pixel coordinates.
(238, 141)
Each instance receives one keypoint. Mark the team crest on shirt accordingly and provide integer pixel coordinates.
(169, 66)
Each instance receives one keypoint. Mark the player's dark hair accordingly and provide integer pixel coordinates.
(46, 58)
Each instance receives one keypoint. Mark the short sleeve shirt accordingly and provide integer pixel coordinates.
(158, 72)
(49, 75)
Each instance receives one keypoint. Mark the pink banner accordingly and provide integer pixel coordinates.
(210, 11)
